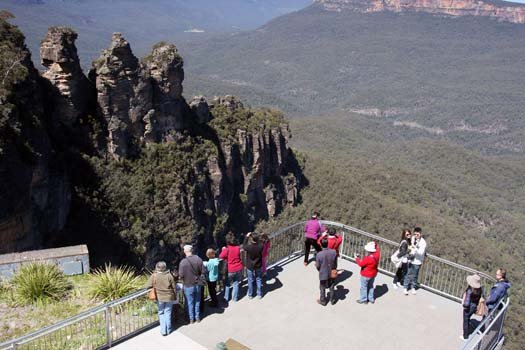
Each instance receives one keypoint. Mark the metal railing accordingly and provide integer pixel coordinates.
(489, 333)
(101, 327)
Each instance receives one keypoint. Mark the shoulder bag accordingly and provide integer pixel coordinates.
(152, 294)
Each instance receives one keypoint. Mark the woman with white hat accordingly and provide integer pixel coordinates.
(368, 272)
(471, 299)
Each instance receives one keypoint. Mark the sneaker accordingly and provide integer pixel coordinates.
(464, 339)
(405, 291)
(359, 301)
(395, 285)
(305, 263)
(198, 320)
(371, 301)
(413, 291)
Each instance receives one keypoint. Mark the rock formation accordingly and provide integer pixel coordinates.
(500, 10)
(59, 55)
(35, 189)
(248, 171)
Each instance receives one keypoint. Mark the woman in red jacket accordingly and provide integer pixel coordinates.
(368, 266)
(232, 254)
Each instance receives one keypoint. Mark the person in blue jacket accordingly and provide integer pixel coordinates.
(499, 290)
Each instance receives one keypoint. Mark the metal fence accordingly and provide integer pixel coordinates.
(101, 327)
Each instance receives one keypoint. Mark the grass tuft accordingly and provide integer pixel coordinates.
(111, 282)
(39, 283)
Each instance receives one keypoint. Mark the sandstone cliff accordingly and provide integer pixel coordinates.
(34, 183)
(500, 10)
(157, 172)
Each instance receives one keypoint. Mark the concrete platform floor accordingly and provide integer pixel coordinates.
(288, 317)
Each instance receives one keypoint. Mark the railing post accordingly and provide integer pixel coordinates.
(107, 315)
(343, 243)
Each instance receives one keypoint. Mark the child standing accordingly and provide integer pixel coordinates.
(212, 267)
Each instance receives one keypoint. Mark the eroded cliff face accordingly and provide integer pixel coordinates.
(502, 11)
(35, 189)
(165, 172)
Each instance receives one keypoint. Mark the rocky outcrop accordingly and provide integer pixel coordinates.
(59, 55)
(140, 102)
(221, 165)
(500, 10)
(35, 189)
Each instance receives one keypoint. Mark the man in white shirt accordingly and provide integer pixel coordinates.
(415, 260)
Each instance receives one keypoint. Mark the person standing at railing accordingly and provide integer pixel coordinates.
(417, 252)
(471, 299)
(191, 272)
(265, 239)
(254, 249)
(402, 258)
(334, 241)
(165, 284)
(312, 231)
(325, 262)
(369, 265)
(499, 290)
(212, 276)
(232, 254)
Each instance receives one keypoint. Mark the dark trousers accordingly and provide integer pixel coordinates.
(467, 314)
(411, 276)
(401, 273)
(308, 243)
(212, 290)
(323, 299)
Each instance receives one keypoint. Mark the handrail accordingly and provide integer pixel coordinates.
(126, 316)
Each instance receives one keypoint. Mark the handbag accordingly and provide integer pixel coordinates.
(482, 309)
(333, 273)
(395, 260)
(152, 294)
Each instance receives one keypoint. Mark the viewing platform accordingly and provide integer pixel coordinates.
(288, 316)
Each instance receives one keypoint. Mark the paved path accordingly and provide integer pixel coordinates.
(289, 318)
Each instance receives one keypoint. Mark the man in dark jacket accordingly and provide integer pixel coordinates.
(254, 249)
(325, 262)
(191, 272)
(499, 291)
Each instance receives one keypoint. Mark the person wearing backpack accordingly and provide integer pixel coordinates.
(402, 256)
(369, 265)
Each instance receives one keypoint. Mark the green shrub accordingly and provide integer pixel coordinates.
(110, 283)
(39, 282)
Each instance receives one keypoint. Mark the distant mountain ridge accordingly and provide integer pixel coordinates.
(500, 10)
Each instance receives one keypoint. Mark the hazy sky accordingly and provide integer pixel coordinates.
(521, 1)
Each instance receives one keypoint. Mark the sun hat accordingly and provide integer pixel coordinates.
(370, 247)
(474, 281)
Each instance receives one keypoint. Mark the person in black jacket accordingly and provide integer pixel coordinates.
(254, 249)
(402, 254)
(471, 299)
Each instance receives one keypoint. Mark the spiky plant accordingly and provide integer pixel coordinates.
(112, 282)
(38, 282)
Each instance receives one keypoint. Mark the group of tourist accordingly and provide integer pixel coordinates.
(193, 273)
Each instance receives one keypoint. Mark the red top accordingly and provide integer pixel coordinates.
(369, 263)
(232, 255)
(334, 242)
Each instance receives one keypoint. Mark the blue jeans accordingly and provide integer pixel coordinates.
(165, 308)
(193, 301)
(234, 278)
(411, 276)
(256, 275)
(366, 292)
